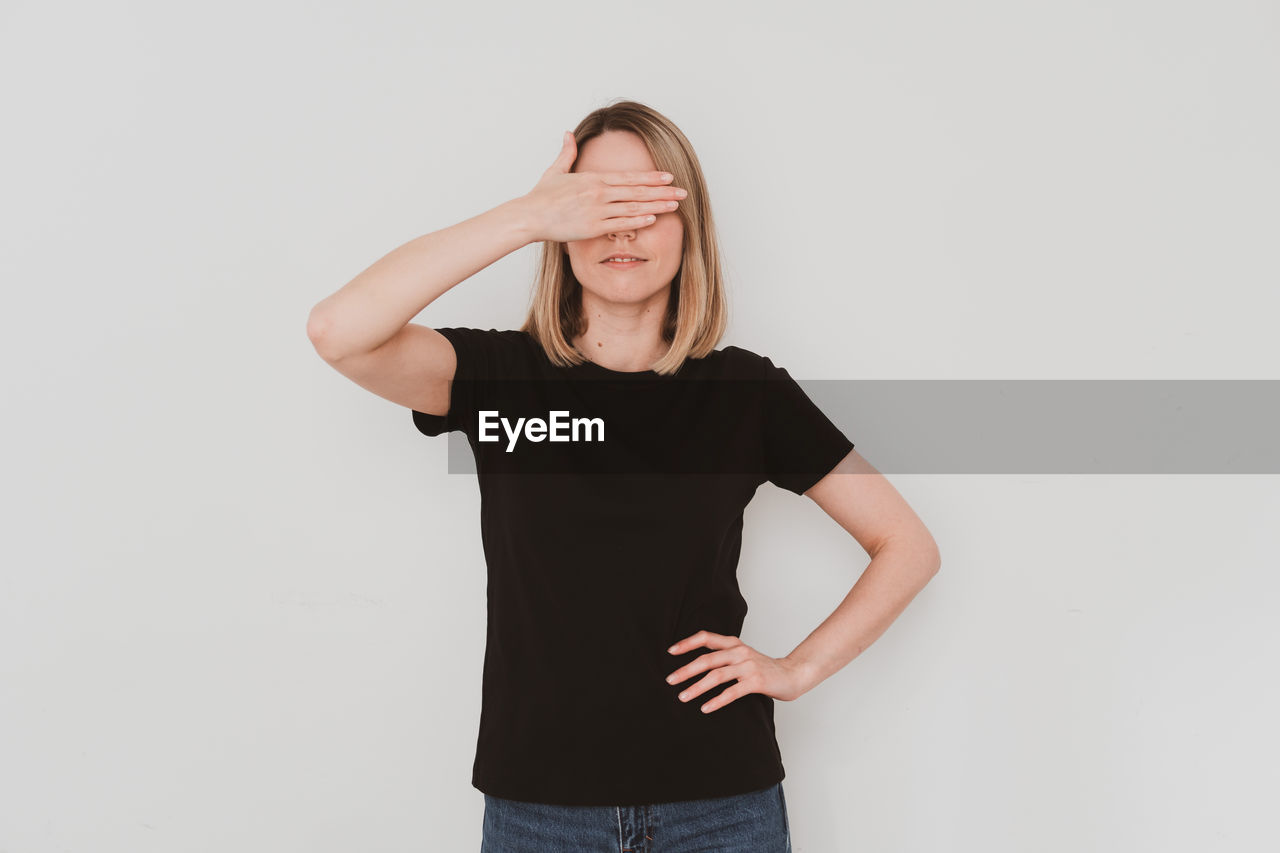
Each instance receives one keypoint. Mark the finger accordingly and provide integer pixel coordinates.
(704, 638)
(640, 208)
(730, 693)
(568, 153)
(711, 679)
(627, 223)
(656, 179)
(642, 192)
(701, 664)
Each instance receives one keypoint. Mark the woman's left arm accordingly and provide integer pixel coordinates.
(904, 557)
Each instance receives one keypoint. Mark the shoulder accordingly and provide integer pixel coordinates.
(485, 353)
(740, 362)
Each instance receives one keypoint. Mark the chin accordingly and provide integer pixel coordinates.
(630, 291)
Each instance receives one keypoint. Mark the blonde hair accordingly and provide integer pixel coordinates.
(697, 312)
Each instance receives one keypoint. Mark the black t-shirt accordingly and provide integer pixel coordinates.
(605, 550)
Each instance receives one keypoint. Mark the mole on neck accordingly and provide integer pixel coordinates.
(599, 354)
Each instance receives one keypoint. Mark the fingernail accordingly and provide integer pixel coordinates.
(671, 679)
(672, 650)
(684, 696)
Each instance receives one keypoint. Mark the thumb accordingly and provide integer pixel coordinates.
(568, 153)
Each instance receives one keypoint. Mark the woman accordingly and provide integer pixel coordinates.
(620, 709)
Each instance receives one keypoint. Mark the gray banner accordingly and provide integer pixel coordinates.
(1036, 426)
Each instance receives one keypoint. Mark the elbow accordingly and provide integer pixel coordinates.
(317, 324)
(918, 550)
(934, 560)
(320, 333)
(926, 556)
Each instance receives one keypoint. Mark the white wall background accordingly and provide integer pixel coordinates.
(242, 602)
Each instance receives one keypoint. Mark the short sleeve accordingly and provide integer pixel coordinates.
(483, 355)
(801, 444)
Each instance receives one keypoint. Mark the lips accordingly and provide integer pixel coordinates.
(623, 256)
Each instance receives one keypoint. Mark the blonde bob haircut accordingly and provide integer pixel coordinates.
(697, 312)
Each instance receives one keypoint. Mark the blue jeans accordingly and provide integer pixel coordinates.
(755, 822)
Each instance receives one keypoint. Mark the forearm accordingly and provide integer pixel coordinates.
(896, 573)
(378, 302)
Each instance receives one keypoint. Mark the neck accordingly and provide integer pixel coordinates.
(629, 341)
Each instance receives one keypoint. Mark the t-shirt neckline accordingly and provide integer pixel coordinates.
(588, 369)
(591, 368)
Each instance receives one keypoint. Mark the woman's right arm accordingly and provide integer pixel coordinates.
(363, 330)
